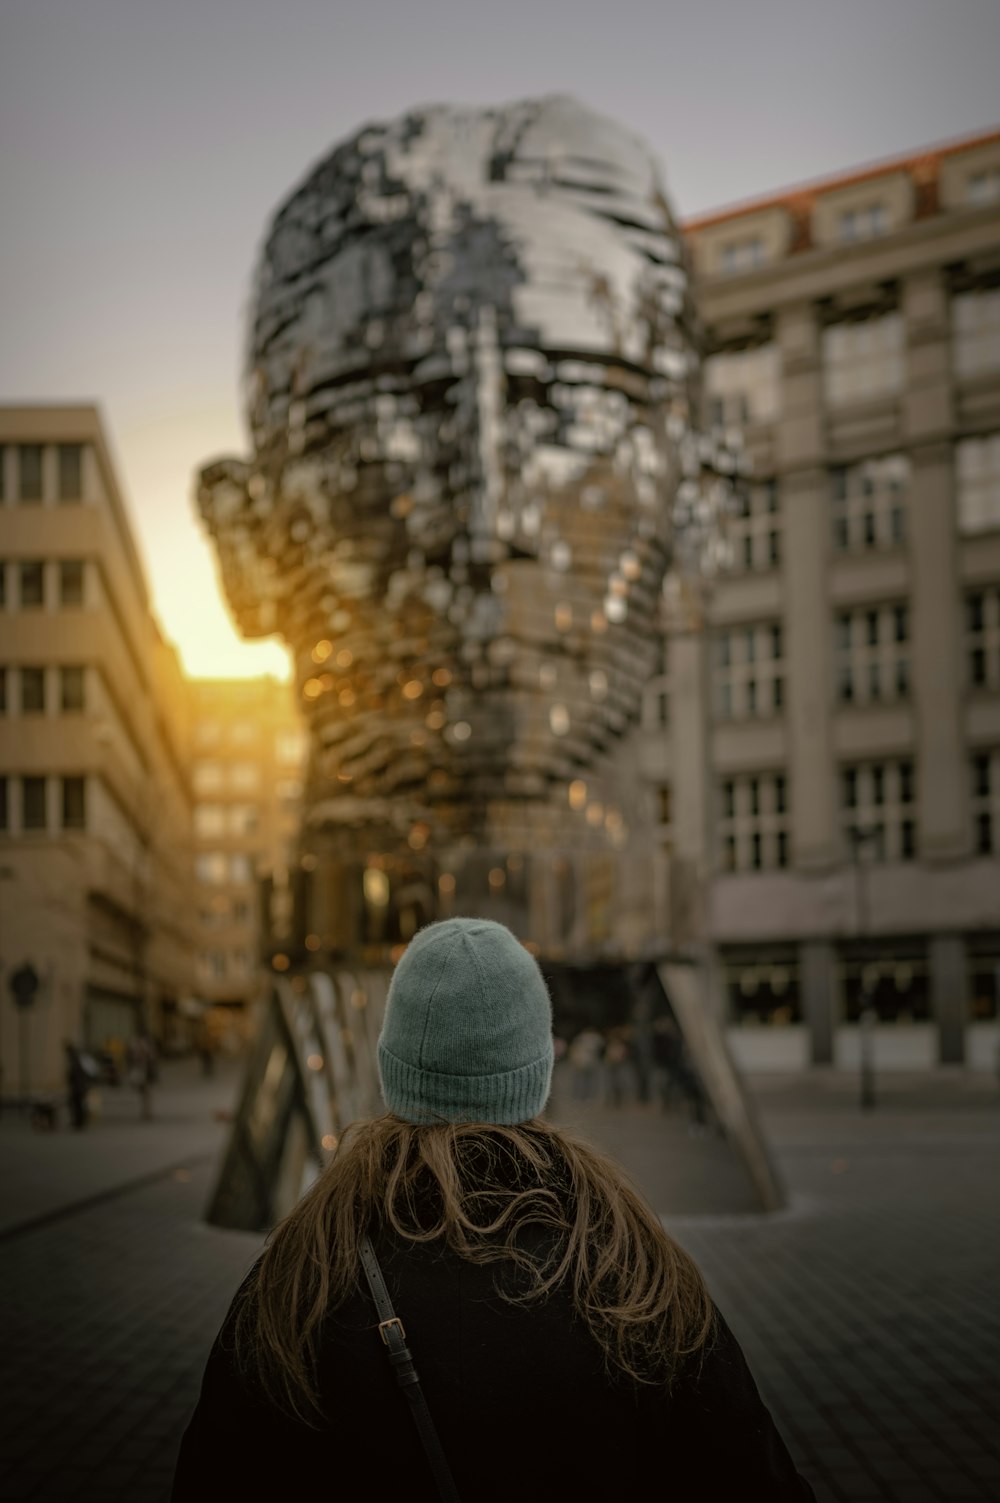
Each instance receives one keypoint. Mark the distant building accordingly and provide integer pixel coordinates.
(843, 789)
(248, 751)
(95, 814)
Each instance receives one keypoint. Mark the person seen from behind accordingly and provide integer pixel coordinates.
(142, 1072)
(78, 1083)
(535, 1290)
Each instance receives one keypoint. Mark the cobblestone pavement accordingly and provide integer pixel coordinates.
(868, 1309)
(42, 1173)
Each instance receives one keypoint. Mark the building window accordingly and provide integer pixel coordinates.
(975, 331)
(742, 255)
(72, 691)
(244, 777)
(240, 870)
(212, 867)
(74, 806)
(878, 800)
(240, 964)
(70, 472)
(982, 637)
(743, 386)
(32, 576)
(209, 821)
(207, 777)
(290, 747)
(213, 965)
(33, 813)
(71, 582)
(32, 691)
(288, 790)
(864, 223)
(208, 732)
(753, 530)
(241, 911)
(655, 705)
(862, 360)
(977, 465)
(29, 463)
(868, 504)
(872, 655)
(762, 986)
(986, 802)
(753, 822)
(243, 732)
(984, 979)
(243, 819)
(749, 671)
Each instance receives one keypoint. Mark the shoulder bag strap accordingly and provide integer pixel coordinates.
(394, 1338)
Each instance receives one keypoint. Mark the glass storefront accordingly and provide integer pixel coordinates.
(892, 974)
(762, 985)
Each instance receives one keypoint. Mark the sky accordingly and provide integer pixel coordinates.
(144, 145)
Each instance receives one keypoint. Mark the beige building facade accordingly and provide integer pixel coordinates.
(95, 806)
(831, 749)
(247, 750)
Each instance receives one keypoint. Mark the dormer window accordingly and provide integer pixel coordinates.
(742, 255)
(864, 223)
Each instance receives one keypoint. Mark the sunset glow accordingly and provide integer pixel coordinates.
(160, 457)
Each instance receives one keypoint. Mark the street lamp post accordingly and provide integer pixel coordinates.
(864, 835)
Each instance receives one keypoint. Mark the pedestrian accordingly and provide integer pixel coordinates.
(539, 1295)
(690, 1083)
(141, 1070)
(667, 1051)
(206, 1050)
(584, 1057)
(617, 1055)
(78, 1080)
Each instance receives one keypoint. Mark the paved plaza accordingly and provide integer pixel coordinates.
(869, 1308)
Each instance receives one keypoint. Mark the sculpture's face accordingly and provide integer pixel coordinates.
(469, 394)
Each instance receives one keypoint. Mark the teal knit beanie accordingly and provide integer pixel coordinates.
(467, 1035)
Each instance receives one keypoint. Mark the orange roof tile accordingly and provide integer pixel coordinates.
(923, 166)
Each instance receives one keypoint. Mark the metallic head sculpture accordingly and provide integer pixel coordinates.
(472, 391)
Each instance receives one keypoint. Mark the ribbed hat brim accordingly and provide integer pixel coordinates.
(420, 1096)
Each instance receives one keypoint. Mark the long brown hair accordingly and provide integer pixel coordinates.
(474, 1187)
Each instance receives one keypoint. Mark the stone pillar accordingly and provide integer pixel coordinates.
(90, 476)
(808, 637)
(820, 999)
(949, 995)
(691, 777)
(806, 524)
(50, 475)
(8, 474)
(942, 777)
(935, 601)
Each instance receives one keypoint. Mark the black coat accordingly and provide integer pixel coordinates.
(520, 1399)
